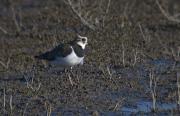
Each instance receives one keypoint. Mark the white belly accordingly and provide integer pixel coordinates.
(70, 60)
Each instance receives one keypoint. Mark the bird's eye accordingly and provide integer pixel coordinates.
(83, 40)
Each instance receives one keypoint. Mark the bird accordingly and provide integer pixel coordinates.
(66, 54)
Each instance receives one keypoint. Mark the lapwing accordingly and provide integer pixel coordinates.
(67, 54)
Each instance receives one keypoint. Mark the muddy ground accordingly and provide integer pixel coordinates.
(136, 40)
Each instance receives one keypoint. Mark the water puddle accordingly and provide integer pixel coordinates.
(141, 107)
(147, 106)
(71, 112)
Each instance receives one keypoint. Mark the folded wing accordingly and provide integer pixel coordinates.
(59, 51)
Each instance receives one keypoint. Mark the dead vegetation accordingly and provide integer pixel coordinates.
(125, 38)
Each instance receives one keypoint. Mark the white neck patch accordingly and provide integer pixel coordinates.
(81, 44)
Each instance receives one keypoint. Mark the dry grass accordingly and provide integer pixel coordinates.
(133, 33)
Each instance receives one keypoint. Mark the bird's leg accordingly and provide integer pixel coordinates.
(74, 75)
(71, 69)
(70, 79)
(69, 75)
(65, 70)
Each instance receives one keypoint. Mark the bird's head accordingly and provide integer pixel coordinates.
(81, 41)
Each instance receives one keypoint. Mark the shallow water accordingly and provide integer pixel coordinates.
(141, 107)
(137, 102)
(146, 107)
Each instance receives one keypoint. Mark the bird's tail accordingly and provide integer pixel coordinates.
(45, 56)
(42, 56)
(39, 56)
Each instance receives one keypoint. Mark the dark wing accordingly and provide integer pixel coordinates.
(59, 51)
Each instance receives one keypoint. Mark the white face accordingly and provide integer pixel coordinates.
(82, 41)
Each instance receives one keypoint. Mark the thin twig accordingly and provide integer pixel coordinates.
(109, 72)
(85, 22)
(143, 35)
(164, 46)
(118, 104)
(123, 54)
(135, 56)
(7, 63)
(3, 30)
(168, 16)
(3, 64)
(34, 88)
(10, 103)
(178, 86)
(153, 85)
(48, 108)
(4, 98)
(178, 54)
(15, 19)
(178, 89)
(70, 79)
(25, 108)
(107, 10)
(30, 85)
